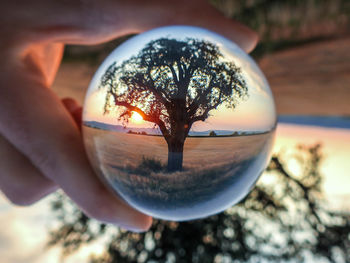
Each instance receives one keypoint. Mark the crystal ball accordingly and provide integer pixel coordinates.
(179, 122)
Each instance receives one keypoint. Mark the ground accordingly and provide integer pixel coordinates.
(135, 166)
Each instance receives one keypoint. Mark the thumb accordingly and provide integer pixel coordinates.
(74, 109)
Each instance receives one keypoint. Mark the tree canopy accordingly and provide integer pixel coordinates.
(173, 84)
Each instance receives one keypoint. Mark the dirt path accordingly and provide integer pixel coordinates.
(311, 79)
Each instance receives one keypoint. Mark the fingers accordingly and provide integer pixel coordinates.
(92, 22)
(34, 120)
(138, 15)
(197, 13)
(74, 109)
(20, 181)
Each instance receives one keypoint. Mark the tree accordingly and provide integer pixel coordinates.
(173, 84)
(212, 134)
(288, 223)
(235, 133)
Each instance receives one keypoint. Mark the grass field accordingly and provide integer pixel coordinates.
(211, 164)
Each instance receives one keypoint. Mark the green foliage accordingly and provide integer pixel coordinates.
(282, 219)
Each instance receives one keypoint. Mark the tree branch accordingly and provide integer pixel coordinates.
(306, 196)
(176, 79)
(157, 93)
(200, 99)
(179, 66)
(185, 76)
(146, 117)
(205, 114)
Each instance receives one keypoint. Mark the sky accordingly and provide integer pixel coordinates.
(336, 152)
(257, 113)
(24, 237)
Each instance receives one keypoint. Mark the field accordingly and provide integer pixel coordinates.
(134, 165)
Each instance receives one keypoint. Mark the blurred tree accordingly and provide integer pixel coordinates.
(212, 134)
(284, 24)
(173, 84)
(281, 220)
(235, 133)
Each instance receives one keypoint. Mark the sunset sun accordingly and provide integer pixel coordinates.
(136, 118)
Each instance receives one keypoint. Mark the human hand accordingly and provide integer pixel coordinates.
(41, 148)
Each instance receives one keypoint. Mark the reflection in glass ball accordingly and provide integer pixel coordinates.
(179, 122)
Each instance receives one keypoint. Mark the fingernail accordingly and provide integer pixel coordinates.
(132, 228)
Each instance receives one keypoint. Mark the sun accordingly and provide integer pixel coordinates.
(136, 117)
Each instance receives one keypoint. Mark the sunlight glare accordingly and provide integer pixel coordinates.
(136, 117)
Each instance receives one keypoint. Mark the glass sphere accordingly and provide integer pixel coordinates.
(179, 122)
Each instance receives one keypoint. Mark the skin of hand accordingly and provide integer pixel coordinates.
(41, 147)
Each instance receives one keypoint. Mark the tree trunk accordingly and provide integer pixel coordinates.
(175, 155)
(178, 133)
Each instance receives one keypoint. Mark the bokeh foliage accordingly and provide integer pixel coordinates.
(279, 24)
(284, 24)
(283, 219)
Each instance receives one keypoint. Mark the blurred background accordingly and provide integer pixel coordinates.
(300, 209)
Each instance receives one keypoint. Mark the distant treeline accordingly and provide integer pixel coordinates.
(211, 134)
(140, 133)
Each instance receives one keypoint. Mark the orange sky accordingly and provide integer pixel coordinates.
(252, 114)
(336, 150)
